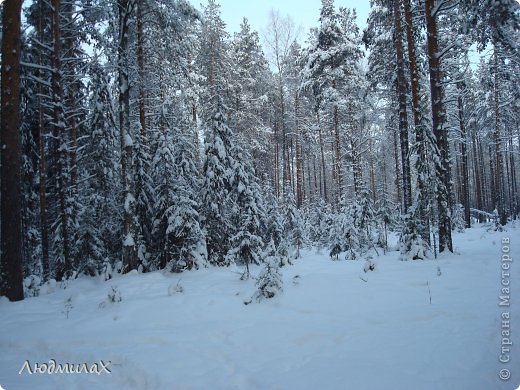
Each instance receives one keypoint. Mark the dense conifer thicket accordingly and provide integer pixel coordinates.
(140, 135)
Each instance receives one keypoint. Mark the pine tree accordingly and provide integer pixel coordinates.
(11, 229)
(442, 163)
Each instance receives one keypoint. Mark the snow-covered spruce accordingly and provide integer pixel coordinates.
(113, 296)
(269, 282)
(412, 244)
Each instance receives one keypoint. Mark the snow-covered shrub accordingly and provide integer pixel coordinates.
(497, 226)
(31, 286)
(113, 296)
(369, 265)
(107, 271)
(412, 245)
(48, 287)
(269, 282)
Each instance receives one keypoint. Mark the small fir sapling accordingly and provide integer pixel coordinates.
(269, 282)
(369, 265)
(113, 296)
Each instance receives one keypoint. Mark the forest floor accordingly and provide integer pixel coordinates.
(403, 326)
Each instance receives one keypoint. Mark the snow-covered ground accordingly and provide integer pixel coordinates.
(328, 330)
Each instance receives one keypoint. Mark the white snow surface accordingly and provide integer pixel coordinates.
(331, 330)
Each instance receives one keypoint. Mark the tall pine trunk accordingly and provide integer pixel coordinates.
(442, 166)
(337, 151)
(60, 140)
(323, 180)
(464, 155)
(129, 255)
(477, 177)
(299, 158)
(10, 171)
(420, 137)
(42, 185)
(499, 199)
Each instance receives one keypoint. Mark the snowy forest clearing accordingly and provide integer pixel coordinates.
(328, 329)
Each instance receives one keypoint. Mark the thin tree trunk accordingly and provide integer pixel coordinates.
(356, 167)
(494, 186)
(439, 130)
(322, 151)
(140, 64)
(60, 137)
(286, 181)
(464, 156)
(478, 185)
(403, 115)
(514, 185)
(41, 162)
(372, 175)
(299, 158)
(337, 152)
(69, 12)
(276, 170)
(10, 171)
(499, 182)
(397, 170)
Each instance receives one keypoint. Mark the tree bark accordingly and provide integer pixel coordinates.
(322, 151)
(464, 156)
(41, 162)
(337, 150)
(403, 114)
(129, 255)
(397, 168)
(72, 90)
(60, 138)
(140, 64)
(439, 130)
(299, 158)
(10, 171)
(477, 176)
(499, 180)
(420, 138)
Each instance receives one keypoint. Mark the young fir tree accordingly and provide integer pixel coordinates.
(344, 235)
(412, 244)
(292, 226)
(269, 281)
(246, 244)
(98, 186)
(217, 188)
(177, 232)
(274, 229)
